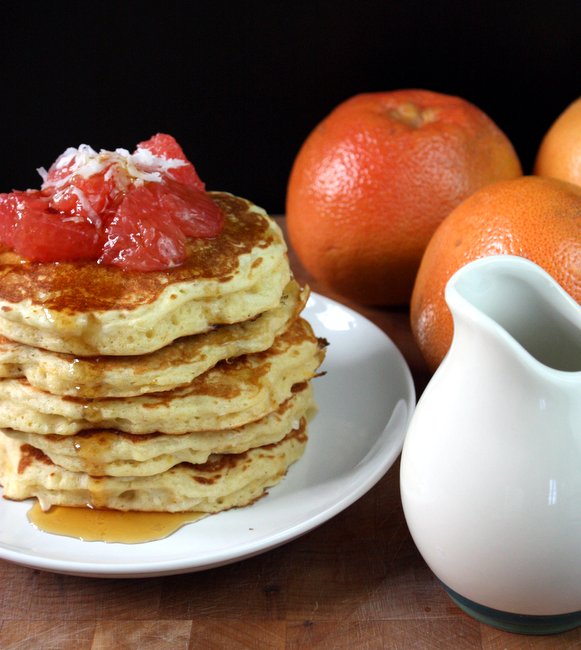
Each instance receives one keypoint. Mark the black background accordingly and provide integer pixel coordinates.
(241, 84)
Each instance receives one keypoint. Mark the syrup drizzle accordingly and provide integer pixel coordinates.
(111, 526)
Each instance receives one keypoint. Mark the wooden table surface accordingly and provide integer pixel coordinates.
(355, 582)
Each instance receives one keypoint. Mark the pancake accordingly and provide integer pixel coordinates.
(113, 453)
(184, 389)
(88, 309)
(175, 365)
(225, 481)
(230, 394)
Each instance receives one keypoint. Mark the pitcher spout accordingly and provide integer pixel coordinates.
(519, 304)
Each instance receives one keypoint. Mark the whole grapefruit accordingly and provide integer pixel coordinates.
(533, 217)
(559, 155)
(375, 178)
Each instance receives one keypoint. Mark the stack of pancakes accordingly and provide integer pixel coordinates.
(182, 390)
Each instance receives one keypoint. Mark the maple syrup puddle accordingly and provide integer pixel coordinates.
(90, 525)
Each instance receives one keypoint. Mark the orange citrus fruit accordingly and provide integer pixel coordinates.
(559, 155)
(533, 217)
(375, 178)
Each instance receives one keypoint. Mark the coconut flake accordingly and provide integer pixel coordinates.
(147, 160)
(121, 165)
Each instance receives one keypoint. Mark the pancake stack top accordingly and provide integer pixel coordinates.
(178, 389)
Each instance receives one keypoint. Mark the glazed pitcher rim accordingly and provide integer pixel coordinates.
(550, 291)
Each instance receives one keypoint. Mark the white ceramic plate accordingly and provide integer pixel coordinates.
(365, 402)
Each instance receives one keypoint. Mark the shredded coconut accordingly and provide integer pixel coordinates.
(137, 168)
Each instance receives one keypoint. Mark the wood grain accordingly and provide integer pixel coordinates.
(355, 582)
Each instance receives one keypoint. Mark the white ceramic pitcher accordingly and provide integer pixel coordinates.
(491, 464)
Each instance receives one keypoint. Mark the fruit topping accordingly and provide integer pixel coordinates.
(132, 210)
